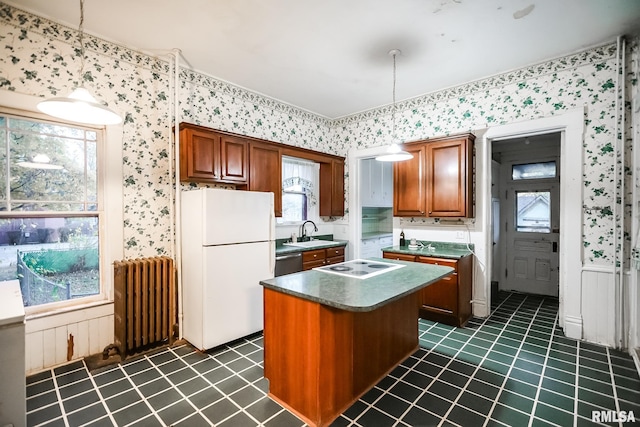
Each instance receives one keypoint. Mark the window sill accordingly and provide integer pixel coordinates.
(69, 309)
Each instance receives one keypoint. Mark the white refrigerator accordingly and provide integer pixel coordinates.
(228, 246)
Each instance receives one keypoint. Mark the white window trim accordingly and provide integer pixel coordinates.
(112, 219)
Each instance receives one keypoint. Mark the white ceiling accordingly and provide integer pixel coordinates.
(331, 56)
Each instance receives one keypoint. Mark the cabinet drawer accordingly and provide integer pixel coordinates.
(313, 264)
(439, 261)
(399, 256)
(335, 259)
(315, 255)
(334, 252)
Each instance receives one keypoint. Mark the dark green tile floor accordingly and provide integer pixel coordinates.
(514, 368)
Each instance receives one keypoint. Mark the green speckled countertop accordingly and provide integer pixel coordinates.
(282, 249)
(440, 249)
(352, 294)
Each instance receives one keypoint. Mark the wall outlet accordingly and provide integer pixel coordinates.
(460, 235)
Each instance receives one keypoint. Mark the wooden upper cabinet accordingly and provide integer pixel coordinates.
(449, 178)
(409, 186)
(265, 171)
(438, 181)
(210, 156)
(332, 188)
(233, 159)
(197, 154)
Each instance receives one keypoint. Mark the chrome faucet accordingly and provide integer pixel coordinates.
(303, 232)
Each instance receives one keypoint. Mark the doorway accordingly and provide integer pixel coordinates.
(528, 225)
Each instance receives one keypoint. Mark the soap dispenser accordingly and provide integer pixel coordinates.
(402, 241)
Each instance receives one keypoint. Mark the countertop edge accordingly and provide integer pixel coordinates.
(356, 308)
(438, 253)
(280, 250)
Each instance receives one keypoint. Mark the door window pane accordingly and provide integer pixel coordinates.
(533, 211)
(534, 171)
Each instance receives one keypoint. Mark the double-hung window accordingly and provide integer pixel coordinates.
(299, 190)
(50, 210)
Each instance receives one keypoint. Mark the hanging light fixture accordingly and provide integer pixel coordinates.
(79, 106)
(394, 151)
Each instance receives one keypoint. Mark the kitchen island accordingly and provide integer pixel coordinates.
(329, 337)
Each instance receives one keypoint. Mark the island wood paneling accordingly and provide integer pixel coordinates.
(319, 360)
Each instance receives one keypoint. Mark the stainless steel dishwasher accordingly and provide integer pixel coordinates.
(289, 263)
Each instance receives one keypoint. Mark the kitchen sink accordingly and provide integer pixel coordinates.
(310, 243)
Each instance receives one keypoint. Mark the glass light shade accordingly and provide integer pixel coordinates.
(79, 107)
(40, 161)
(394, 154)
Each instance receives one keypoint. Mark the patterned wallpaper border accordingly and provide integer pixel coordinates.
(26, 21)
(21, 19)
(593, 55)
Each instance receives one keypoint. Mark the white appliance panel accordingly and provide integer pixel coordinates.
(232, 295)
(235, 216)
(13, 406)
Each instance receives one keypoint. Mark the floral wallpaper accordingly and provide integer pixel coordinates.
(586, 78)
(40, 57)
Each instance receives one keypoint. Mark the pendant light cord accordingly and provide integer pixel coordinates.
(393, 112)
(81, 38)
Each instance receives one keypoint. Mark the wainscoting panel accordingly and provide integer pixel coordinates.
(48, 338)
(598, 305)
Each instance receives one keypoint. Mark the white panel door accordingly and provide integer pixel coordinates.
(532, 234)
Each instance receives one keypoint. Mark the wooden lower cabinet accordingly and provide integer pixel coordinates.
(320, 257)
(319, 360)
(447, 300)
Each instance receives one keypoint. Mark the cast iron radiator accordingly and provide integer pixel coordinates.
(145, 304)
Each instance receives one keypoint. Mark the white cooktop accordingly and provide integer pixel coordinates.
(359, 268)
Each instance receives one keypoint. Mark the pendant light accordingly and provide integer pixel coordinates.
(79, 106)
(394, 151)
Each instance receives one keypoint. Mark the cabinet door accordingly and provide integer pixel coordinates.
(265, 172)
(386, 184)
(380, 184)
(441, 296)
(409, 192)
(449, 192)
(198, 151)
(332, 188)
(233, 159)
(365, 182)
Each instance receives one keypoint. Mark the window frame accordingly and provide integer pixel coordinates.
(108, 199)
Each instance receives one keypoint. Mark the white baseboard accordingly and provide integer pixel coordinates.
(480, 308)
(573, 327)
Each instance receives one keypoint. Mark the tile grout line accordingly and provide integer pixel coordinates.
(576, 382)
(443, 368)
(97, 390)
(544, 368)
(242, 410)
(371, 405)
(163, 376)
(57, 390)
(455, 402)
(144, 399)
(613, 384)
(506, 376)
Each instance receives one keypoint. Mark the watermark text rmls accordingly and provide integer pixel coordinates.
(613, 416)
